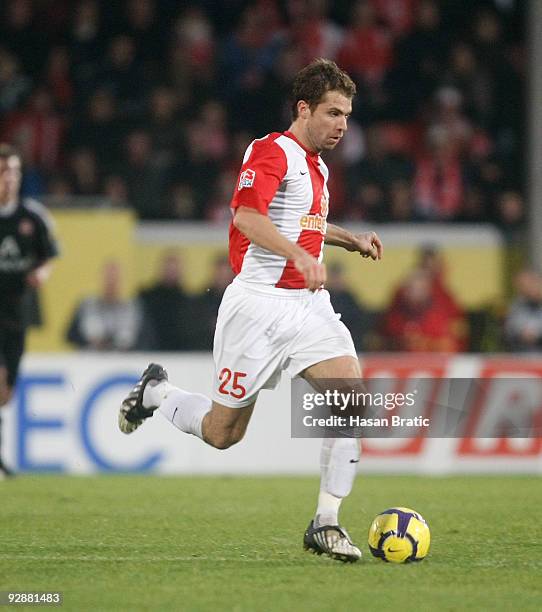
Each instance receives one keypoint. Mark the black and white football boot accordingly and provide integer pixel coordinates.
(331, 540)
(132, 413)
(5, 472)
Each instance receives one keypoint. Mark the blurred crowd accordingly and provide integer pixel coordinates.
(162, 317)
(151, 103)
(423, 314)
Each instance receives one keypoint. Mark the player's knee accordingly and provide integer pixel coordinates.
(224, 439)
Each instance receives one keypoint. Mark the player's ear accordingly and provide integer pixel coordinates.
(303, 109)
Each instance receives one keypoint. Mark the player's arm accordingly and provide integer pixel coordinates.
(46, 246)
(367, 244)
(260, 230)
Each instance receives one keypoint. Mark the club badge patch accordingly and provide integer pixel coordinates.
(246, 179)
(26, 227)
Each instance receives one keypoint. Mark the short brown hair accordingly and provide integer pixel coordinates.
(7, 151)
(320, 76)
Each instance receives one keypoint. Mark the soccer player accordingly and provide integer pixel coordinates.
(26, 246)
(276, 315)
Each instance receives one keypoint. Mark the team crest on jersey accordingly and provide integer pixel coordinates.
(26, 227)
(246, 179)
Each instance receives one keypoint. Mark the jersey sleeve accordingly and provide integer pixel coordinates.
(46, 245)
(263, 170)
(49, 245)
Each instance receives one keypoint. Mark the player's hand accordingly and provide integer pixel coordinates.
(368, 244)
(313, 271)
(33, 279)
(37, 277)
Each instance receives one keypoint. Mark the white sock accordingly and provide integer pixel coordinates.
(338, 462)
(155, 392)
(185, 410)
(327, 512)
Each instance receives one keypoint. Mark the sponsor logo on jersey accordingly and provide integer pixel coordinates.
(313, 222)
(317, 222)
(246, 179)
(9, 248)
(11, 260)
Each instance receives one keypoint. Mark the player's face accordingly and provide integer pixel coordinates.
(10, 179)
(327, 123)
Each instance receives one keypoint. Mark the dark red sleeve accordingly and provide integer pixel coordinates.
(260, 176)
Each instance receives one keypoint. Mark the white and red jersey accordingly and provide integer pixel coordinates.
(287, 182)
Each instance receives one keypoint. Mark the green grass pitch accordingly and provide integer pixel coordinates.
(166, 543)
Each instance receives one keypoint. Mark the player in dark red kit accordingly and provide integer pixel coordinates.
(26, 247)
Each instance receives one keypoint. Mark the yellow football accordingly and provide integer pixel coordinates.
(399, 535)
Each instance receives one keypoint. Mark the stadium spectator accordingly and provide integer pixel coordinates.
(430, 259)
(84, 172)
(58, 77)
(208, 301)
(368, 203)
(247, 57)
(99, 128)
(420, 58)
(122, 73)
(107, 322)
(14, 84)
(24, 35)
(449, 118)
(419, 320)
(163, 124)
(474, 208)
(523, 323)
(505, 68)
(367, 50)
(146, 175)
(38, 131)
(216, 211)
(358, 320)
(86, 42)
(312, 32)
(249, 51)
(469, 76)
(59, 190)
(439, 183)
(168, 310)
(116, 191)
(181, 202)
(191, 56)
(401, 203)
(511, 217)
(287, 63)
(202, 163)
(379, 166)
(226, 76)
(397, 15)
(142, 24)
(208, 132)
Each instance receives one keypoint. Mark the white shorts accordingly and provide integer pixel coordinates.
(263, 330)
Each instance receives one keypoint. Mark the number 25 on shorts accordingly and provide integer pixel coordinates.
(226, 377)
